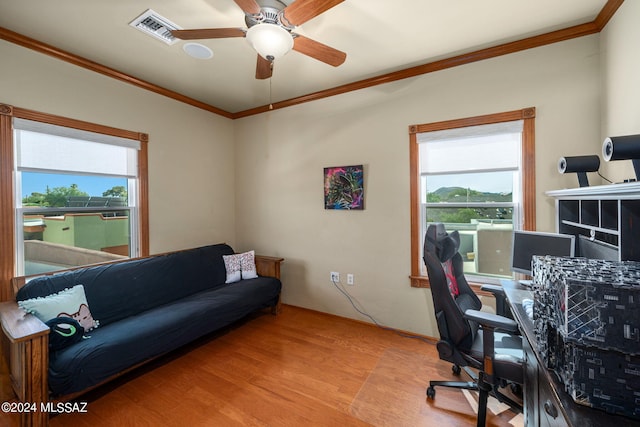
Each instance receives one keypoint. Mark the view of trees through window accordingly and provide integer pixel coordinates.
(480, 206)
(42, 189)
(464, 215)
(71, 219)
(59, 196)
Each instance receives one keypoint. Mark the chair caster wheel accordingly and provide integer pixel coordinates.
(456, 369)
(431, 392)
(516, 389)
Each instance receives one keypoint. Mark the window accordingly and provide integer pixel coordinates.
(75, 197)
(482, 196)
(78, 193)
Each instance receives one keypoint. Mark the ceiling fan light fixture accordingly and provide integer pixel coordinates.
(271, 41)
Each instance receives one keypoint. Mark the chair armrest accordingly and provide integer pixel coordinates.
(492, 320)
(502, 307)
(19, 326)
(496, 290)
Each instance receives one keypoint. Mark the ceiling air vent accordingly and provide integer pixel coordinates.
(156, 26)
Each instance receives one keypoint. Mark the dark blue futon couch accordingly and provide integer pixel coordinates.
(147, 307)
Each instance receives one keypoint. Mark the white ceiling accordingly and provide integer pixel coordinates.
(378, 36)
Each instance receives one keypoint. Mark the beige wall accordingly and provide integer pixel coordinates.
(281, 156)
(271, 201)
(621, 82)
(191, 154)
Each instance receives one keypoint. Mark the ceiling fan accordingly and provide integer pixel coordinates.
(270, 31)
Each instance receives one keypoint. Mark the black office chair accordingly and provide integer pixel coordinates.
(497, 356)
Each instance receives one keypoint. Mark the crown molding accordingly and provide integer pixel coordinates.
(575, 31)
(63, 55)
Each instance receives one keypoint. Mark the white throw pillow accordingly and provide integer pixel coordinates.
(70, 302)
(240, 266)
(248, 265)
(232, 265)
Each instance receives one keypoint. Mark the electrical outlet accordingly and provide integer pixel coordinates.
(335, 276)
(350, 279)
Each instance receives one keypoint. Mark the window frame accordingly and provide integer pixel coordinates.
(417, 278)
(7, 177)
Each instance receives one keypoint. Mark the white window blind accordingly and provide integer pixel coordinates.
(476, 148)
(43, 147)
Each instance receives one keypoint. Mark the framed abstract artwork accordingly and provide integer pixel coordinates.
(344, 187)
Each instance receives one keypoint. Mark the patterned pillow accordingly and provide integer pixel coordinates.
(232, 265)
(70, 302)
(64, 332)
(240, 266)
(248, 265)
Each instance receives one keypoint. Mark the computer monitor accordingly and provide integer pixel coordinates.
(595, 249)
(526, 244)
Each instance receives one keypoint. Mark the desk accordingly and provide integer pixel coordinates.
(545, 401)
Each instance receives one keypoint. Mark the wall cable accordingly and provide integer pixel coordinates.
(375, 322)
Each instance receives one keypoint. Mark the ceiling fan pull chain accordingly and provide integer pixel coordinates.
(270, 104)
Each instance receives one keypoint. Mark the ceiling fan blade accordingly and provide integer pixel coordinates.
(318, 51)
(300, 11)
(249, 6)
(264, 68)
(208, 33)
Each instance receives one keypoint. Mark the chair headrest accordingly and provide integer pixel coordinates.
(444, 245)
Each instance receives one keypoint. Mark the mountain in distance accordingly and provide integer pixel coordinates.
(460, 194)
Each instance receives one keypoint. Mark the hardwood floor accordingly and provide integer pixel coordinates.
(298, 368)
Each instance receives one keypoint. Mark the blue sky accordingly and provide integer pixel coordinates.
(33, 182)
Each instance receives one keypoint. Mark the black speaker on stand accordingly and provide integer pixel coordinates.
(580, 165)
(623, 148)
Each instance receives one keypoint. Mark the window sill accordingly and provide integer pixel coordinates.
(419, 282)
(423, 282)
